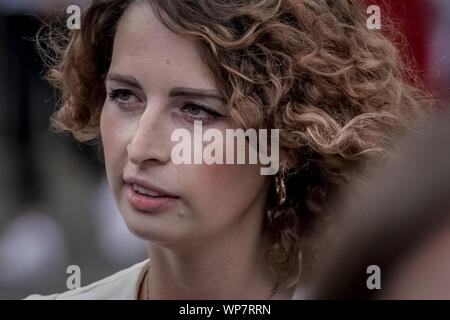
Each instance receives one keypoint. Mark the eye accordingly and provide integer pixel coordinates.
(123, 97)
(194, 111)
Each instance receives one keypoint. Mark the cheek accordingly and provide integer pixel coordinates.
(224, 189)
(113, 143)
(106, 123)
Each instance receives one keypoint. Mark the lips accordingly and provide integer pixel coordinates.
(147, 192)
(143, 196)
(143, 187)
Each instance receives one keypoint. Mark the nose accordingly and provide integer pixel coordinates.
(151, 141)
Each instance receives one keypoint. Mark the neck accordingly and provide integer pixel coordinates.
(226, 268)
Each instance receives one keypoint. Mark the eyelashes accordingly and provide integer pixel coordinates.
(193, 111)
(117, 96)
(190, 110)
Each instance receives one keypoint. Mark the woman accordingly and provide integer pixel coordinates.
(138, 70)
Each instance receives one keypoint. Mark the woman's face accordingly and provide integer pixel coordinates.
(152, 87)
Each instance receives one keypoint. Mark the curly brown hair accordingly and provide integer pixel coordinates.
(311, 68)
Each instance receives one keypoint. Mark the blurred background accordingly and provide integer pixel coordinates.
(56, 208)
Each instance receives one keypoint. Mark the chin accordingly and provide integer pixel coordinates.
(150, 227)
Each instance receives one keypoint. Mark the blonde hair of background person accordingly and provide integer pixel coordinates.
(312, 69)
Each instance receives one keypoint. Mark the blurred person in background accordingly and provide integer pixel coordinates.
(400, 223)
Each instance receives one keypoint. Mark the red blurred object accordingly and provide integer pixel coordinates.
(413, 17)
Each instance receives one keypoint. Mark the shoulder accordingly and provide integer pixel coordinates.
(122, 285)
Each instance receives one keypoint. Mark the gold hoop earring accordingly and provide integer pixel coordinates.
(281, 189)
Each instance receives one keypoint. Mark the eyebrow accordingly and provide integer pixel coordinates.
(130, 80)
(201, 93)
(175, 92)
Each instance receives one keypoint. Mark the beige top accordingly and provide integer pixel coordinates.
(122, 285)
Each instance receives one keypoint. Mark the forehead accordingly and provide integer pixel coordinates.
(147, 49)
